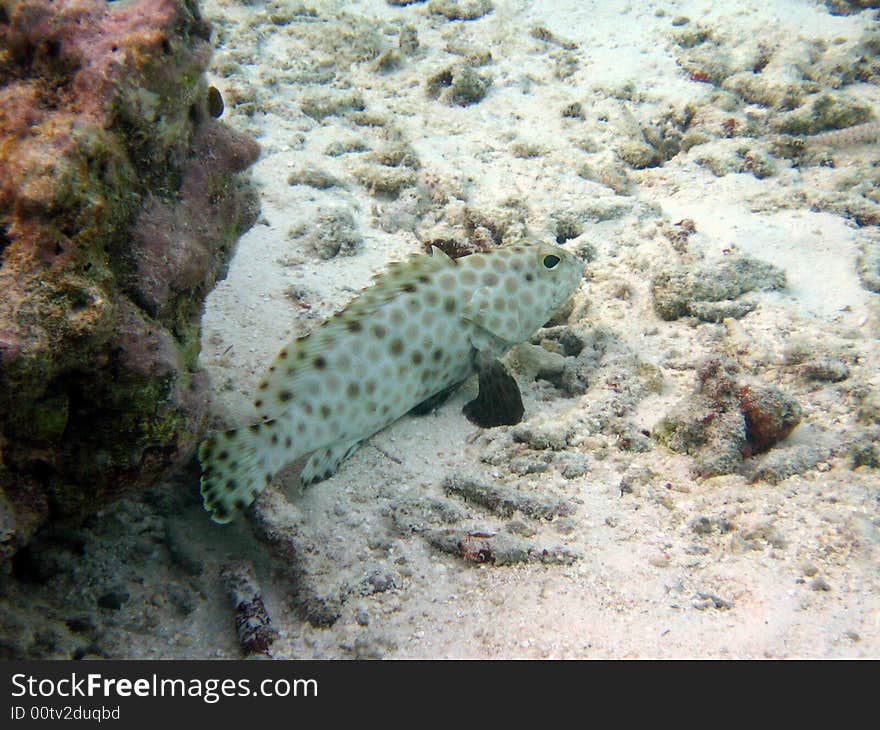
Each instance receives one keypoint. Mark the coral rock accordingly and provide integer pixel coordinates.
(770, 415)
(709, 292)
(120, 202)
(727, 420)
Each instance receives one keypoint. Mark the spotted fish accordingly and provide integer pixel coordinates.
(421, 329)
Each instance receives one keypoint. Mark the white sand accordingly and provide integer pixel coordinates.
(646, 583)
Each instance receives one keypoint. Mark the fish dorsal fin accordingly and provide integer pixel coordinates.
(294, 366)
(400, 276)
(441, 255)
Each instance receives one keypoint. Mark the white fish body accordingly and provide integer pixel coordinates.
(423, 327)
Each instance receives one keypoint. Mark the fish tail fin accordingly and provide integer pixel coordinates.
(235, 469)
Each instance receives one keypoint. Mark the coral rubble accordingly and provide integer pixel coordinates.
(710, 293)
(727, 420)
(120, 201)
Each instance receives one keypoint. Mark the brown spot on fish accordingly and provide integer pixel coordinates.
(320, 362)
(396, 346)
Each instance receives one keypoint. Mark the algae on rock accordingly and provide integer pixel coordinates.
(120, 202)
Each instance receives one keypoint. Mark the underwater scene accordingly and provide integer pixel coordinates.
(439, 329)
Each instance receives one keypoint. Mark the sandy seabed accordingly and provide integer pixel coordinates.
(646, 137)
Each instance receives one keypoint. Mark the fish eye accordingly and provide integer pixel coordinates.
(550, 261)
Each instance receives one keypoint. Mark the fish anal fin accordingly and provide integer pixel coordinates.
(323, 463)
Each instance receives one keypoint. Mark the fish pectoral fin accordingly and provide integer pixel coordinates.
(435, 401)
(489, 343)
(323, 463)
(477, 308)
(498, 402)
(487, 346)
